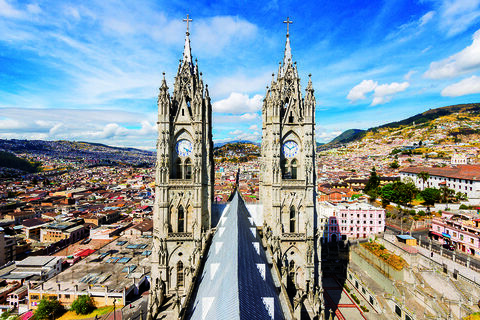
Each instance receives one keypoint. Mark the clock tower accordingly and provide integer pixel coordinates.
(287, 182)
(183, 181)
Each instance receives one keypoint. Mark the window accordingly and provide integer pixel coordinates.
(292, 219)
(178, 169)
(180, 274)
(188, 169)
(291, 270)
(181, 219)
(472, 241)
(294, 169)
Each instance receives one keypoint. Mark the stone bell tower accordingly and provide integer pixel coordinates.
(184, 180)
(287, 185)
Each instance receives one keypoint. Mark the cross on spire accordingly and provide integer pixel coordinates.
(288, 22)
(187, 21)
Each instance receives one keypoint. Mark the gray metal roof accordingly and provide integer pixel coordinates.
(236, 282)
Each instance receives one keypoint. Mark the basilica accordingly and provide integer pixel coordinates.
(213, 261)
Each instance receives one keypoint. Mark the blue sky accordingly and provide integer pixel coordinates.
(90, 70)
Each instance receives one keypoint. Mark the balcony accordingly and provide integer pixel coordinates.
(180, 235)
(293, 236)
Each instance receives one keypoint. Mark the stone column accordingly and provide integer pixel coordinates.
(468, 262)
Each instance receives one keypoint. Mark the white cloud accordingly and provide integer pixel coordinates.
(240, 83)
(358, 92)
(466, 86)
(238, 103)
(9, 124)
(213, 35)
(236, 132)
(246, 117)
(426, 18)
(381, 93)
(457, 15)
(409, 74)
(253, 127)
(8, 10)
(460, 63)
(33, 8)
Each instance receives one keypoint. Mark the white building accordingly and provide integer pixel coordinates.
(459, 159)
(461, 178)
(344, 221)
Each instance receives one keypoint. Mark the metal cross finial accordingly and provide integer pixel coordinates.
(187, 21)
(288, 22)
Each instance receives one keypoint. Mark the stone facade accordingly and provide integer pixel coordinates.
(183, 182)
(287, 181)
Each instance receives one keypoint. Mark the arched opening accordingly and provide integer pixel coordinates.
(334, 237)
(290, 118)
(188, 169)
(292, 219)
(178, 169)
(181, 219)
(285, 171)
(293, 169)
(285, 106)
(180, 278)
(291, 270)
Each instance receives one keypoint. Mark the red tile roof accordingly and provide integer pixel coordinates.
(466, 172)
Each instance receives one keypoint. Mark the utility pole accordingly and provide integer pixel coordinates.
(114, 300)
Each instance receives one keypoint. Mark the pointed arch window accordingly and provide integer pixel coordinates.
(290, 118)
(178, 169)
(293, 169)
(285, 171)
(293, 219)
(291, 271)
(188, 169)
(180, 276)
(181, 219)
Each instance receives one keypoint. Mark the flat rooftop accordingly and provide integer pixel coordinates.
(111, 268)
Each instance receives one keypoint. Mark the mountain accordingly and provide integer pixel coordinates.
(348, 135)
(421, 119)
(93, 153)
(221, 144)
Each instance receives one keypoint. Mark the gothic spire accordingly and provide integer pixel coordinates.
(287, 59)
(187, 52)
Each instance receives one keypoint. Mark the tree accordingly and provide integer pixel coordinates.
(398, 192)
(394, 165)
(83, 305)
(430, 196)
(460, 196)
(446, 193)
(371, 187)
(424, 176)
(47, 308)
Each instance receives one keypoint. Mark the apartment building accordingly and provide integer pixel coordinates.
(355, 220)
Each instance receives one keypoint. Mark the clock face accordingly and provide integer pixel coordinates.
(184, 148)
(290, 149)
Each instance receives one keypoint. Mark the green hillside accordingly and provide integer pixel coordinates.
(351, 135)
(9, 160)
